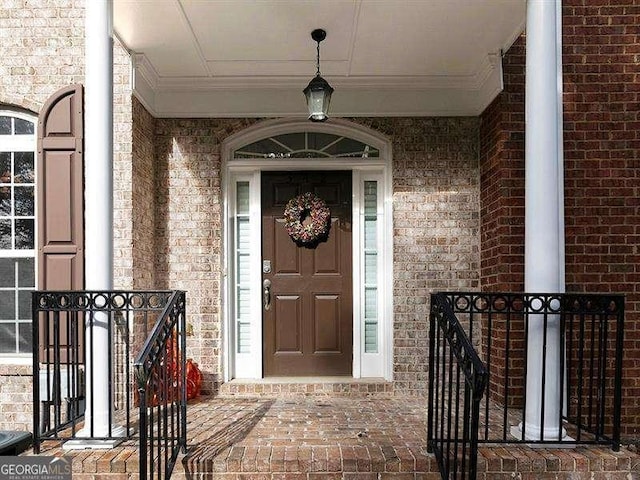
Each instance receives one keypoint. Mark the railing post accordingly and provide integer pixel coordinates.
(142, 396)
(617, 393)
(473, 440)
(183, 349)
(35, 325)
(432, 343)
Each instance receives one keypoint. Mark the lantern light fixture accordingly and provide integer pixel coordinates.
(318, 92)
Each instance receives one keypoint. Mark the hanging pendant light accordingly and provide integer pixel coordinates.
(318, 92)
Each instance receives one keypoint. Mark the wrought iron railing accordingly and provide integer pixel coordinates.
(585, 330)
(457, 380)
(161, 376)
(67, 327)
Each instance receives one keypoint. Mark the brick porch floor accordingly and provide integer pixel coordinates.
(314, 437)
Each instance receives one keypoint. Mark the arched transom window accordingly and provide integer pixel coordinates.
(306, 145)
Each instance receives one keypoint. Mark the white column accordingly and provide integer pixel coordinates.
(98, 145)
(544, 211)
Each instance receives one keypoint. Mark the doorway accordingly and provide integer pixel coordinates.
(307, 288)
(330, 304)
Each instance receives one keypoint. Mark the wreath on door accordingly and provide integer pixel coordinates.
(307, 219)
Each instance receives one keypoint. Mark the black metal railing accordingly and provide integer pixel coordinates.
(457, 380)
(161, 375)
(581, 336)
(76, 335)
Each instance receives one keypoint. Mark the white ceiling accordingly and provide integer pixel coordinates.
(227, 58)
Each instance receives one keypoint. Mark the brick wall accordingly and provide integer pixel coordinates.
(16, 411)
(124, 178)
(144, 191)
(502, 180)
(436, 226)
(502, 213)
(601, 57)
(188, 244)
(42, 50)
(601, 52)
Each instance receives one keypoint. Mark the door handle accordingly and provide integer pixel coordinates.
(266, 294)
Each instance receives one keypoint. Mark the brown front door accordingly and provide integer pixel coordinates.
(308, 327)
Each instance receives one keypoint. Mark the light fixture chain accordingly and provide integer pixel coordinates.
(318, 60)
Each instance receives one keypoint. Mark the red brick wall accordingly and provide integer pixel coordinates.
(601, 65)
(502, 217)
(601, 52)
(502, 180)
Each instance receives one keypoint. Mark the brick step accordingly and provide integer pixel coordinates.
(307, 387)
(317, 461)
(372, 463)
(572, 463)
(358, 463)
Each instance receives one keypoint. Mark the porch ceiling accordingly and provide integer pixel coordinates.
(228, 58)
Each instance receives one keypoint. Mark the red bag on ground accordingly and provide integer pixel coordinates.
(194, 379)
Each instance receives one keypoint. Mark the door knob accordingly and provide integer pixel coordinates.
(266, 294)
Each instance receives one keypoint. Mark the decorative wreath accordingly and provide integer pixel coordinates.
(307, 218)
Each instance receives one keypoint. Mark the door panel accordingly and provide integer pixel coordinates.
(326, 260)
(284, 259)
(308, 330)
(326, 322)
(288, 327)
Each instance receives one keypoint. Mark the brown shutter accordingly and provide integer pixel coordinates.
(60, 195)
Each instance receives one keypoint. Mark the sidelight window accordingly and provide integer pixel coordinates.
(242, 271)
(370, 222)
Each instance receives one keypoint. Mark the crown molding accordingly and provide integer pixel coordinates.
(428, 95)
(145, 69)
(416, 82)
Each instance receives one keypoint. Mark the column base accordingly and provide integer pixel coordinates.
(532, 434)
(88, 443)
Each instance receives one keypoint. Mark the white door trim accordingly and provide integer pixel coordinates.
(237, 365)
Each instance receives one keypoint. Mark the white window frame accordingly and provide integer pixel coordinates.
(245, 366)
(22, 143)
(249, 365)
